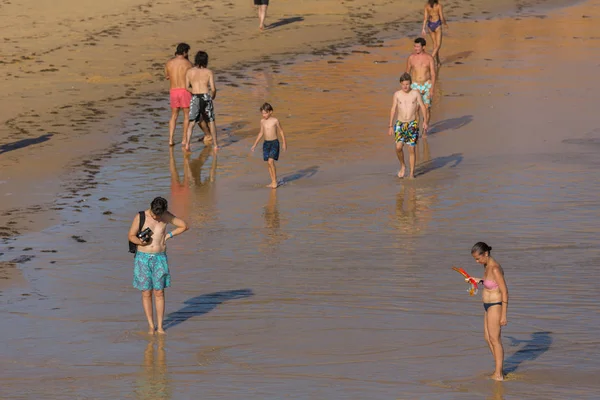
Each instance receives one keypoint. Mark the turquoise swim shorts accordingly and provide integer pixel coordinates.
(151, 271)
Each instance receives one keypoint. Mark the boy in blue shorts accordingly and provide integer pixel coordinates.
(270, 128)
(151, 270)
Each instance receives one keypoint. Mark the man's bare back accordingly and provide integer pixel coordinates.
(175, 71)
(201, 80)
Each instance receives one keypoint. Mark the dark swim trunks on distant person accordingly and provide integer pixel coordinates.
(434, 25)
(202, 108)
(261, 2)
(407, 132)
(271, 149)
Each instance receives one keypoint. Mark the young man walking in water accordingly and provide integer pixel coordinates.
(405, 109)
(421, 67)
(261, 6)
(151, 269)
(271, 129)
(175, 71)
(201, 82)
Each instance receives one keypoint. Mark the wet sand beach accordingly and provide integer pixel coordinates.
(337, 285)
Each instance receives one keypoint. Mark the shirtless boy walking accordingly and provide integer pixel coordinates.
(201, 82)
(405, 108)
(151, 270)
(175, 70)
(270, 128)
(421, 67)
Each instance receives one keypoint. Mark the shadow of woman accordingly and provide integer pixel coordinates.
(539, 343)
(203, 304)
(154, 383)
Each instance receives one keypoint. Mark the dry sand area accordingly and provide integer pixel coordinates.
(70, 67)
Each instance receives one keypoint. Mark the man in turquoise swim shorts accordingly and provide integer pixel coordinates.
(421, 67)
(151, 269)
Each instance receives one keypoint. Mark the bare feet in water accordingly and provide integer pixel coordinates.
(161, 332)
(273, 185)
(401, 172)
(497, 377)
(151, 331)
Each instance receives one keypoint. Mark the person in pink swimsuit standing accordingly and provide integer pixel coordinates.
(495, 304)
(175, 71)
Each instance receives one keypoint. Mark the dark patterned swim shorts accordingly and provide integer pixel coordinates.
(201, 107)
(271, 149)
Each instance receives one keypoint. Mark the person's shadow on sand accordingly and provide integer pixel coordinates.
(450, 123)
(284, 21)
(5, 148)
(301, 174)
(203, 304)
(439, 162)
(539, 343)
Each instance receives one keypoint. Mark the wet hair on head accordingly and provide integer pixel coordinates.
(266, 107)
(421, 41)
(201, 59)
(432, 2)
(405, 77)
(480, 248)
(182, 48)
(159, 206)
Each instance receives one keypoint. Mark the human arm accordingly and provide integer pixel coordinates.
(423, 111)
(433, 75)
(442, 16)
(408, 64)
(167, 71)
(499, 278)
(280, 130)
(425, 17)
(180, 224)
(213, 86)
(133, 231)
(188, 84)
(260, 135)
(393, 115)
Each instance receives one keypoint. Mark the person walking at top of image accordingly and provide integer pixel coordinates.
(421, 68)
(175, 71)
(434, 18)
(261, 6)
(151, 272)
(405, 107)
(201, 82)
(271, 129)
(495, 304)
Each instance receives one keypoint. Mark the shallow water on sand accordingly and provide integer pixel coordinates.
(337, 285)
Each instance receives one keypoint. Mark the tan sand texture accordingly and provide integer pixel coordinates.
(338, 285)
(69, 67)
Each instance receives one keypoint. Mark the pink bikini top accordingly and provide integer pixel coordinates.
(489, 284)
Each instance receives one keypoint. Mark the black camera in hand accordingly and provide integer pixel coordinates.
(145, 235)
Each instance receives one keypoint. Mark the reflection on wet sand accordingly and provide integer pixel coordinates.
(497, 391)
(182, 196)
(273, 234)
(153, 383)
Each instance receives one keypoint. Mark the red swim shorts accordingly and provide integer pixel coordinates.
(180, 98)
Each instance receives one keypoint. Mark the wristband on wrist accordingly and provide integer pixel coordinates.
(171, 235)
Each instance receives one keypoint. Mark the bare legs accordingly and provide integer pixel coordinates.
(436, 37)
(272, 174)
(412, 159)
(210, 129)
(173, 122)
(492, 333)
(262, 14)
(159, 299)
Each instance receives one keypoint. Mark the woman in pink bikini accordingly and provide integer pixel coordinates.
(495, 303)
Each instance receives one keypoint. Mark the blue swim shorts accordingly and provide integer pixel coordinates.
(151, 271)
(271, 149)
